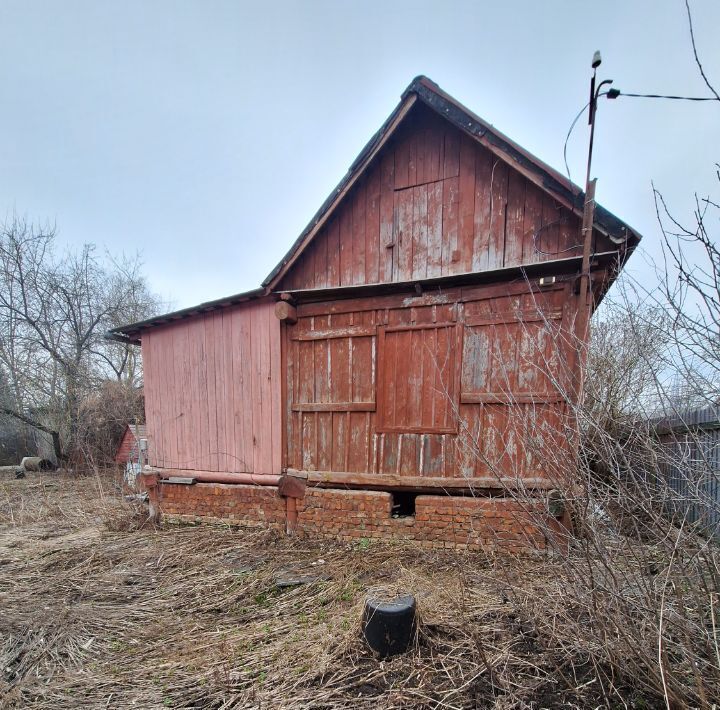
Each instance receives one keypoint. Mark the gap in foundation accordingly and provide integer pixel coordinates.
(403, 504)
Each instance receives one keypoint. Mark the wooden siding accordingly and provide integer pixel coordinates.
(468, 382)
(212, 391)
(435, 203)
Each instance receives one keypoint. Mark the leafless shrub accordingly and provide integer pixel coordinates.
(102, 418)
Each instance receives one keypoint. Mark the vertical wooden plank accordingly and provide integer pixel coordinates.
(346, 255)
(387, 205)
(412, 377)
(498, 204)
(481, 237)
(246, 401)
(403, 354)
(435, 154)
(421, 155)
(550, 233)
(450, 252)
(408, 455)
(333, 253)
(372, 227)
(426, 357)
(295, 434)
(363, 385)
(340, 372)
(403, 235)
(358, 233)
(179, 337)
(319, 248)
(321, 360)
(201, 448)
(212, 433)
(515, 219)
(532, 221)
(419, 232)
(305, 372)
(466, 204)
(159, 428)
(401, 157)
(434, 228)
(216, 335)
(433, 456)
(340, 440)
(570, 241)
(451, 156)
(359, 441)
(412, 142)
(276, 384)
(265, 320)
(309, 440)
(153, 417)
(324, 441)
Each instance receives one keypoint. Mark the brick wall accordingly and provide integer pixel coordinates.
(439, 521)
(246, 506)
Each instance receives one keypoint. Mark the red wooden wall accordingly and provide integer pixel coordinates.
(435, 203)
(466, 382)
(212, 391)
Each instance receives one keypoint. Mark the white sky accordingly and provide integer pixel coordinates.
(206, 134)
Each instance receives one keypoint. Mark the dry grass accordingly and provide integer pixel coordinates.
(100, 611)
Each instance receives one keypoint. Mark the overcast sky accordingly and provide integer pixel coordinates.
(206, 134)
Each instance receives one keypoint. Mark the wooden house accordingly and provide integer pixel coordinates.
(405, 370)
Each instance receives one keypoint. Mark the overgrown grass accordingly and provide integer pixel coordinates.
(98, 614)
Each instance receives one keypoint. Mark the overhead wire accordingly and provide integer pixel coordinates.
(617, 93)
(667, 96)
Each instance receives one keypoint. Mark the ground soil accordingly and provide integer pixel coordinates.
(100, 609)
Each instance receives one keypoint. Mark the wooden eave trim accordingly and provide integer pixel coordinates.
(401, 112)
(567, 266)
(433, 484)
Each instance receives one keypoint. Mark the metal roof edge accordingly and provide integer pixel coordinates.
(128, 333)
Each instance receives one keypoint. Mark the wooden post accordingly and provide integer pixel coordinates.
(585, 300)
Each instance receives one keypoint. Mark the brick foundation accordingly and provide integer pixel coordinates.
(439, 521)
(246, 506)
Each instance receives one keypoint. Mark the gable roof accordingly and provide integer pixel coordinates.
(425, 91)
(420, 91)
(139, 431)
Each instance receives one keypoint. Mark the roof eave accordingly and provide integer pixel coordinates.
(131, 333)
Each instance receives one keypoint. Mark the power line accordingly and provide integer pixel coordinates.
(662, 96)
(616, 93)
(567, 138)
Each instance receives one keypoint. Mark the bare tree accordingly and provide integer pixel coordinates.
(54, 311)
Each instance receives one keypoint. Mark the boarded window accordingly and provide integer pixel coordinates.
(335, 371)
(417, 389)
(507, 362)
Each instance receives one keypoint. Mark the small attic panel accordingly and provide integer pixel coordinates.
(434, 202)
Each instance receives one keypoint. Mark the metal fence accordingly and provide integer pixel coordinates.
(690, 466)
